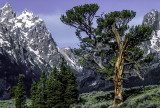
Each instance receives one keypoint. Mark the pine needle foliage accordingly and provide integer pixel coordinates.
(20, 94)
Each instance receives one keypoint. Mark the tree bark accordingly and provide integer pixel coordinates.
(118, 83)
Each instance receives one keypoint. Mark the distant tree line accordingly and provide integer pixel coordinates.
(58, 90)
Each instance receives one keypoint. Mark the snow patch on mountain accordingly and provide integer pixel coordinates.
(36, 52)
(93, 84)
(155, 41)
(6, 13)
(72, 61)
(153, 19)
(26, 38)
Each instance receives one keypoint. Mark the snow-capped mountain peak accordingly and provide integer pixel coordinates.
(153, 11)
(28, 19)
(153, 19)
(27, 39)
(6, 13)
(7, 6)
(27, 13)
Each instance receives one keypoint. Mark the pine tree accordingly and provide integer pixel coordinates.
(63, 78)
(41, 96)
(69, 85)
(111, 46)
(20, 94)
(33, 94)
(54, 90)
(71, 92)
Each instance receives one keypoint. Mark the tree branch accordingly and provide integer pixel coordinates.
(134, 62)
(111, 78)
(98, 62)
(128, 63)
(127, 72)
(117, 35)
(139, 75)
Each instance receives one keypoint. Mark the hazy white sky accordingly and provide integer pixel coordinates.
(51, 10)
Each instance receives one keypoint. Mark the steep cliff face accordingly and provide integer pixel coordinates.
(153, 19)
(27, 48)
(26, 38)
(153, 45)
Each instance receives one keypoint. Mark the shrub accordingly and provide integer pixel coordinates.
(104, 106)
(82, 100)
(108, 96)
(132, 104)
(153, 105)
(12, 92)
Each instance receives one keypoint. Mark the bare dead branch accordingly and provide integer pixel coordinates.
(127, 72)
(134, 62)
(117, 35)
(139, 75)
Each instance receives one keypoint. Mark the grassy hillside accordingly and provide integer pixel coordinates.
(136, 97)
(10, 103)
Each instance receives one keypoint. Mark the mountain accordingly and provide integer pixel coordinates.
(88, 79)
(153, 19)
(152, 74)
(27, 48)
(153, 45)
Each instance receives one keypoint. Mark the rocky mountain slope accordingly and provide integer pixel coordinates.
(27, 47)
(88, 79)
(152, 74)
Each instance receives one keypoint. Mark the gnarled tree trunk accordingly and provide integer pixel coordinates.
(118, 80)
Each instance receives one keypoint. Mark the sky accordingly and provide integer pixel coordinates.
(51, 10)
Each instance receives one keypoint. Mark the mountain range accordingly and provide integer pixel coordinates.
(27, 48)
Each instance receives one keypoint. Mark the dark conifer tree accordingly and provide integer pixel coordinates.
(33, 94)
(41, 96)
(69, 85)
(71, 92)
(58, 91)
(63, 78)
(20, 94)
(54, 90)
